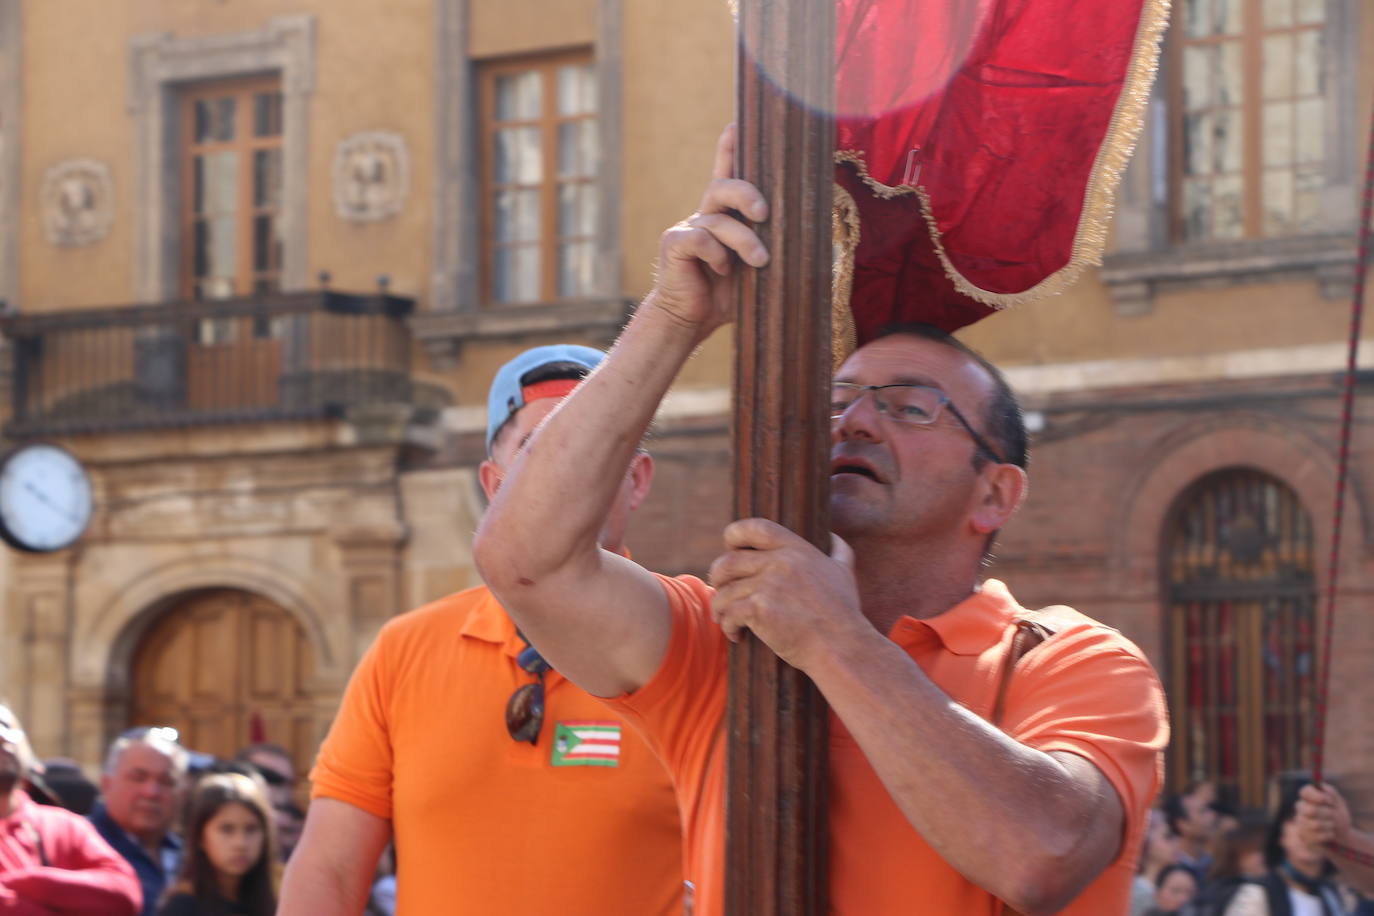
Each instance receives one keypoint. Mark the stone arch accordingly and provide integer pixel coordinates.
(121, 624)
(1195, 449)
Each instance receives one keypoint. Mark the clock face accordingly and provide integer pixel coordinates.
(45, 498)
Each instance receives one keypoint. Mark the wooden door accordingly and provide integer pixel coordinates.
(217, 659)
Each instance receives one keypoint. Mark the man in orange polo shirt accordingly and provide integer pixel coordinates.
(507, 789)
(943, 799)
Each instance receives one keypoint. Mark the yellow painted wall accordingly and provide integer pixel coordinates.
(525, 26)
(679, 93)
(76, 65)
(375, 72)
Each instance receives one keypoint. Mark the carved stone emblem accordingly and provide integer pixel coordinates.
(371, 176)
(77, 202)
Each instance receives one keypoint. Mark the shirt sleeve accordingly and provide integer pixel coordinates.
(678, 710)
(355, 761)
(86, 876)
(1089, 691)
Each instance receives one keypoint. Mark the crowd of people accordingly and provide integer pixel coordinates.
(1204, 857)
(165, 832)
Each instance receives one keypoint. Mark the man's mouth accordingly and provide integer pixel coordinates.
(850, 467)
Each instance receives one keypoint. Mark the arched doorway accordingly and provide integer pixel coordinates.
(1240, 595)
(216, 661)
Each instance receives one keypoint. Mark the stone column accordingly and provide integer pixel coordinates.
(94, 717)
(371, 559)
(40, 613)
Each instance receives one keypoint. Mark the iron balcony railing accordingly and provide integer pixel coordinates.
(284, 356)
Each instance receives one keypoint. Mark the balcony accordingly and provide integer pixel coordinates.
(287, 356)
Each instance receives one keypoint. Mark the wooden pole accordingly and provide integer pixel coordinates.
(775, 818)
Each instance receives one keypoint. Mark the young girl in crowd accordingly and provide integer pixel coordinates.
(1159, 850)
(1175, 888)
(227, 863)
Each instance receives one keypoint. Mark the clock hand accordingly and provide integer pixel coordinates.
(45, 500)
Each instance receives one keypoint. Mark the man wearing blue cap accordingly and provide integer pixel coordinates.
(507, 788)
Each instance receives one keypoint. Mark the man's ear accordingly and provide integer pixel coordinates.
(641, 476)
(490, 475)
(1000, 493)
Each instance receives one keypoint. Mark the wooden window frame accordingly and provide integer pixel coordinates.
(1193, 611)
(246, 277)
(1251, 39)
(547, 65)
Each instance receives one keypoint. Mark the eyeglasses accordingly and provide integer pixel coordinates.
(917, 405)
(525, 708)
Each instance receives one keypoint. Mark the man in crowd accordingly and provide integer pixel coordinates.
(145, 769)
(508, 790)
(1323, 820)
(1193, 819)
(274, 763)
(931, 805)
(52, 861)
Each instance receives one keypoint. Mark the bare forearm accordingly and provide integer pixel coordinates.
(972, 792)
(1355, 868)
(551, 507)
(314, 887)
(331, 869)
(597, 617)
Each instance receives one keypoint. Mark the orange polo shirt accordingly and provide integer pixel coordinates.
(1087, 690)
(583, 822)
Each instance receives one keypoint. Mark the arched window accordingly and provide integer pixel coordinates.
(1240, 596)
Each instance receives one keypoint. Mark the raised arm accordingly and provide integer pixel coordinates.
(1323, 819)
(599, 618)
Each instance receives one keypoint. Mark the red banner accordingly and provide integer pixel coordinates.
(980, 143)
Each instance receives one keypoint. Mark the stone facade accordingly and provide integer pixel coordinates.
(1163, 366)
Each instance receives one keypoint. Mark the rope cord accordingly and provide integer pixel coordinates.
(1343, 472)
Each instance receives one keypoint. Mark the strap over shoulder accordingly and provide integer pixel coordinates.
(1032, 629)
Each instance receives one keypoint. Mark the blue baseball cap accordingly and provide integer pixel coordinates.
(516, 382)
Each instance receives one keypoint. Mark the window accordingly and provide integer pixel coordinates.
(1248, 128)
(539, 164)
(1240, 594)
(231, 219)
(232, 163)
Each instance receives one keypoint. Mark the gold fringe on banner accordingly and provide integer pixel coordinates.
(844, 226)
(1113, 156)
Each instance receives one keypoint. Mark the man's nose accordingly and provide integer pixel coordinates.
(860, 420)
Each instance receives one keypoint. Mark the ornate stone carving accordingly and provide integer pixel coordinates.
(371, 176)
(77, 202)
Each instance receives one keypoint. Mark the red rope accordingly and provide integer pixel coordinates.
(1347, 421)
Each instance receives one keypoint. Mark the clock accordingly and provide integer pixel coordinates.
(45, 498)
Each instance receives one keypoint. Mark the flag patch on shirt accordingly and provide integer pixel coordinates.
(586, 744)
